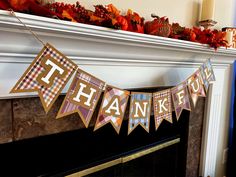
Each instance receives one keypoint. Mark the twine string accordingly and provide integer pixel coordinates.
(28, 28)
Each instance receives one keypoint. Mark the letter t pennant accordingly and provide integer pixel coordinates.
(48, 75)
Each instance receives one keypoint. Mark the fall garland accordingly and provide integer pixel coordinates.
(110, 16)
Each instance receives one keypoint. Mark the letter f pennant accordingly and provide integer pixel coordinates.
(48, 75)
(82, 97)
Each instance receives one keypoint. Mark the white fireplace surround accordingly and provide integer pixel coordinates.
(125, 60)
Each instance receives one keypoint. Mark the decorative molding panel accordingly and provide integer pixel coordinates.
(123, 59)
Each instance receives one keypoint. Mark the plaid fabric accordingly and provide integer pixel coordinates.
(69, 107)
(185, 100)
(143, 121)
(200, 92)
(206, 81)
(167, 115)
(116, 121)
(47, 94)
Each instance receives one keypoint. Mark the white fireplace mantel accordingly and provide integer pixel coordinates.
(125, 60)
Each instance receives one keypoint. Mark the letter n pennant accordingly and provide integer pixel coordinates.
(162, 107)
(82, 97)
(195, 86)
(113, 108)
(48, 75)
(207, 74)
(180, 99)
(139, 113)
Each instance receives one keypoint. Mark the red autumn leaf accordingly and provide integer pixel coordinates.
(4, 5)
(135, 22)
(20, 5)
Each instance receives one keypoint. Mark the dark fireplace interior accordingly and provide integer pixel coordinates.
(65, 153)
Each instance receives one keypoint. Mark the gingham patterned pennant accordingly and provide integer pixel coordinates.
(48, 75)
(162, 107)
(112, 108)
(180, 99)
(82, 97)
(195, 86)
(139, 112)
(207, 74)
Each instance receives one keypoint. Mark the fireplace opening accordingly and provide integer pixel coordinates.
(169, 151)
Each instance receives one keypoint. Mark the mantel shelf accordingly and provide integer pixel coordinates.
(92, 44)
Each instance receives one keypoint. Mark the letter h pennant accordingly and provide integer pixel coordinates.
(140, 109)
(162, 104)
(82, 97)
(112, 108)
(48, 75)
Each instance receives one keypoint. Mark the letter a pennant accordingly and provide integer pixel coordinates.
(82, 97)
(180, 99)
(139, 113)
(195, 86)
(48, 75)
(113, 108)
(207, 74)
(162, 107)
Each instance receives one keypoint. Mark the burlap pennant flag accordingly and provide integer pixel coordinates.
(207, 74)
(82, 96)
(48, 75)
(195, 86)
(180, 99)
(162, 104)
(139, 112)
(112, 108)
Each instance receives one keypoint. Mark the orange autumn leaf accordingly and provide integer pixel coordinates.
(66, 14)
(94, 18)
(114, 21)
(113, 10)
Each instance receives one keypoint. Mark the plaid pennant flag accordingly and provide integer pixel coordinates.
(180, 99)
(139, 113)
(48, 75)
(195, 86)
(207, 73)
(162, 104)
(82, 97)
(112, 108)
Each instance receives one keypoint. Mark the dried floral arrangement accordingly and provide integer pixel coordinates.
(110, 16)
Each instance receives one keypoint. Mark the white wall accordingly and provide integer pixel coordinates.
(185, 12)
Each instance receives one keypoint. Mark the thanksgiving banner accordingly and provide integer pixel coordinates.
(51, 70)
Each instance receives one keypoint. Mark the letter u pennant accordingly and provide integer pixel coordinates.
(48, 75)
(82, 97)
(113, 108)
(139, 112)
